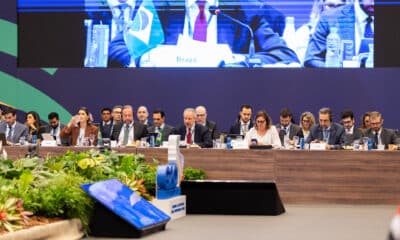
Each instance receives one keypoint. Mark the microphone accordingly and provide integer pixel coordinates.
(214, 10)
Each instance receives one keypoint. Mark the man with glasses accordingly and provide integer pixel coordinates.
(117, 114)
(378, 134)
(352, 133)
(201, 113)
(331, 133)
(193, 133)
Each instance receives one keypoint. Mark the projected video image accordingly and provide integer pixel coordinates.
(212, 33)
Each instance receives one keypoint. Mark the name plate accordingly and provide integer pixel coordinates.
(187, 54)
(49, 143)
(317, 146)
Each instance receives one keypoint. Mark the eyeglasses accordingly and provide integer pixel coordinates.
(305, 120)
(260, 121)
(375, 123)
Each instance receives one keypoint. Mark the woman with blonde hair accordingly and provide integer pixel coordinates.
(263, 132)
(307, 120)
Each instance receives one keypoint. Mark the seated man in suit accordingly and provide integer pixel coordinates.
(354, 22)
(106, 125)
(54, 128)
(244, 123)
(143, 116)
(286, 127)
(13, 129)
(331, 133)
(116, 114)
(352, 133)
(162, 129)
(192, 19)
(201, 118)
(193, 133)
(128, 132)
(378, 134)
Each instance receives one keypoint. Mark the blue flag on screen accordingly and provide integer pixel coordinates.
(145, 32)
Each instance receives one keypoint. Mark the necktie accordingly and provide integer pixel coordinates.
(200, 25)
(376, 141)
(368, 36)
(189, 136)
(126, 135)
(326, 135)
(159, 136)
(121, 18)
(285, 129)
(9, 135)
(244, 129)
(368, 33)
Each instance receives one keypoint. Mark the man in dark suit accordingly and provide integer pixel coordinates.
(54, 128)
(201, 118)
(193, 133)
(344, 19)
(176, 20)
(13, 129)
(378, 134)
(106, 125)
(352, 133)
(286, 127)
(128, 132)
(333, 134)
(160, 127)
(244, 123)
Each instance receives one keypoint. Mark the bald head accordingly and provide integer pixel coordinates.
(201, 115)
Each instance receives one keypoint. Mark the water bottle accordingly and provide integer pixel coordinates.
(151, 141)
(369, 144)
(228, 142)
(302, 143)
(34, 139)
(289, 34)
(370, 60)
(333, 45)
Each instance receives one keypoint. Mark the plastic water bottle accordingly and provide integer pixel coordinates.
(34, 139)
(151, 141)
(228, 142)
(289, 33)
(333, 42)
(369, 144)
(302, 143)
(370, 60)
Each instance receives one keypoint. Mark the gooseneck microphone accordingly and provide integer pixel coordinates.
(214, 10)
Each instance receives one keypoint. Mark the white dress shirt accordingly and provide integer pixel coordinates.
(270, 137)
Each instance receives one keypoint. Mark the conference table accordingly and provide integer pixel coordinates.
(301, 176)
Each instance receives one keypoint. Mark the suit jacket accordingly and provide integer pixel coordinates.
(337, 136)
(106, 133)
(20, 130)
(235, 128)
(357, 134)
(212, 127)
(269, 46)
(202, 135)
(388, 136)
(166, 131)
(73, 132)
(316, 50)
(293, 130)
(140, 131)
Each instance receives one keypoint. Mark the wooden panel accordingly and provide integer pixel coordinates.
(338, 177)
(224, 164)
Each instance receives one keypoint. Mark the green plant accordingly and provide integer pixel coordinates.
(190, 173)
